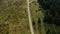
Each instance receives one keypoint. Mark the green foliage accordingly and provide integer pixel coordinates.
(7, 32)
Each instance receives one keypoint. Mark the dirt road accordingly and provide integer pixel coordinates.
(29, 17)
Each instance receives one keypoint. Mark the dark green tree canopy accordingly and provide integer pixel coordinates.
(52, 8)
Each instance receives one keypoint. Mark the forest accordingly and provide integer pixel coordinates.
(52, 8)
